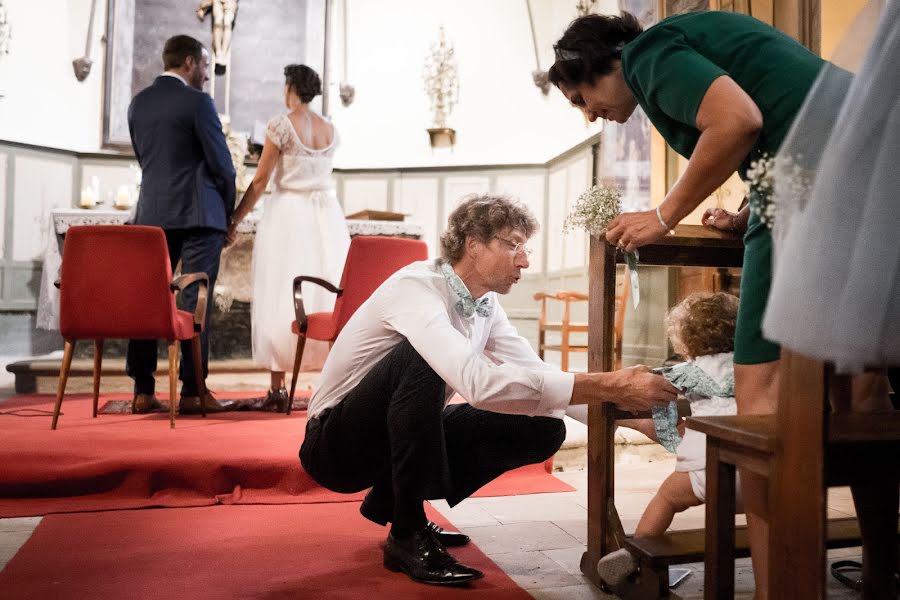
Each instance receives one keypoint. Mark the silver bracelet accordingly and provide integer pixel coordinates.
(661, 222)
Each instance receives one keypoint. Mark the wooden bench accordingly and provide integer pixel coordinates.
(690, 245)
(656, 554)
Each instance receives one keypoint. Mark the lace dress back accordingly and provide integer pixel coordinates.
(300, 168)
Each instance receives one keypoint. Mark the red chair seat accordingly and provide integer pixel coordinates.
(320, 326)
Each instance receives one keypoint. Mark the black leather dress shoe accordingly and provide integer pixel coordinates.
(190, 405)
(450, 539)
(146, 403)
(274, 401)
(423, 558)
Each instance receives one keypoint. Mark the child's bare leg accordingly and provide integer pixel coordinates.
(644, 426)
(674, 496)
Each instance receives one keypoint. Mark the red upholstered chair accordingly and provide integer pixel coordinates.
(116, 282)
(370, 261)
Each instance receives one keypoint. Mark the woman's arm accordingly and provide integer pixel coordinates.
(264, 169)
(729, 123)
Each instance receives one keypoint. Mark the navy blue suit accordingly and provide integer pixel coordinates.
(187, 189)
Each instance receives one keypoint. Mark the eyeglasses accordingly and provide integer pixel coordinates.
(516, 247)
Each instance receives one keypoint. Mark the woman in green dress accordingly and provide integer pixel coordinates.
(722, 89)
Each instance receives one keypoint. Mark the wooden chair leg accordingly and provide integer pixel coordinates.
(98, 364)
(720, 509)
(173, 380)
(198, 373)
(301, 342)
(63, 378)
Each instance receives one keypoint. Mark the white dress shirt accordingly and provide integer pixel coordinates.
(175, 75)
(483, 359)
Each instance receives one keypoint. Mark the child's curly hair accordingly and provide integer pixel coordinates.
(703, 323)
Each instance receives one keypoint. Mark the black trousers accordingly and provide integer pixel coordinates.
(393, 434)
(198, 250)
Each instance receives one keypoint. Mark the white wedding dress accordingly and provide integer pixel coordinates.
(302, 232)
(836, 288)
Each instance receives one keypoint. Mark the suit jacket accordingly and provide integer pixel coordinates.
(188, 178)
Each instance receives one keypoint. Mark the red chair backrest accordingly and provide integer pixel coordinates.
(115, 283)
(370, 261)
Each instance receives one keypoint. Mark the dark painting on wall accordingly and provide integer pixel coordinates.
(266, 36)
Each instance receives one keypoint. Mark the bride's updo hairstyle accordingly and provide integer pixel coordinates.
(303, 81)
(590, 46)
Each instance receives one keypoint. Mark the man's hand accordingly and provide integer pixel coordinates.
(634, 389)
(639, 389)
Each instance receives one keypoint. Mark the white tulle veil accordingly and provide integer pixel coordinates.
(836, 288)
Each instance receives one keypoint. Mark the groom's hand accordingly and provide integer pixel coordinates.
(230, 235)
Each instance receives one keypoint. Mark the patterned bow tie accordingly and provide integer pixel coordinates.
(466, 305)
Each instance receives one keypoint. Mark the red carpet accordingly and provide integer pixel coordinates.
(136, 461)
(311, 551)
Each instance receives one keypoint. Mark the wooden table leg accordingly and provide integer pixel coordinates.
(720, 508)
(602, 536)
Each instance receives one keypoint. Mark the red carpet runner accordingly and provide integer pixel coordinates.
(136, 461)
(309, 552)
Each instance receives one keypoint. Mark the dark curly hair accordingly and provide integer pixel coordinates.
(483, 216)
(703, 323)
(303, 81)
(590, 46)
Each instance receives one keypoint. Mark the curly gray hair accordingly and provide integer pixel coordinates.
(483, 216)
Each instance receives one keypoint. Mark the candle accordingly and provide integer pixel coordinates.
(88, 198)
(123, 197)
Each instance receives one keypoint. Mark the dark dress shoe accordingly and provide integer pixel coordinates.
(449, 539)
(274, 401)
(146, 403)
(190, 405)
(425, 560)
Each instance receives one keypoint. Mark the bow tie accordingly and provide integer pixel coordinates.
(466, 305)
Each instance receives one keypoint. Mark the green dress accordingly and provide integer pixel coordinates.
(669, 68)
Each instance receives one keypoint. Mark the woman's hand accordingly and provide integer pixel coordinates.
(723, 220)
(630, 231)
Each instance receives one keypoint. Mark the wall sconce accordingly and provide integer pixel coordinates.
(442, 86)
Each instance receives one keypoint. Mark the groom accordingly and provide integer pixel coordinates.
(187, 189)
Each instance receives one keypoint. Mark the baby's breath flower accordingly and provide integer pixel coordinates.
(594, 209)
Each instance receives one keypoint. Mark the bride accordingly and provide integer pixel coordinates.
(302, 230)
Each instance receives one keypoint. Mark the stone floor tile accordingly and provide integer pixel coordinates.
(465, 514)
(520, 537)
(585, 591)
(534, 570)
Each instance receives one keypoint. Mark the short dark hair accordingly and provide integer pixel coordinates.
(483, 216)
(304, 81)
(590, 46)
(178, 48)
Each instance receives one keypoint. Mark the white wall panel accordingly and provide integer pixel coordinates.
(4, 161)
(361, 193)
(529, 189)
(40, 186)
(418, 198)
(557, 201)
(457, 187)
(578, 177)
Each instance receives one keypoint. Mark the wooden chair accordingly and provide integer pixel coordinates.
(566, 327)
(802, 450)
(370, 261)
(116, 282)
